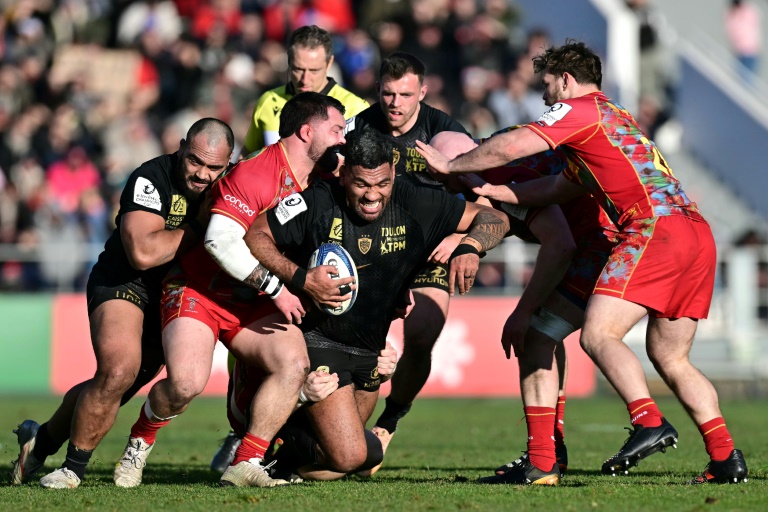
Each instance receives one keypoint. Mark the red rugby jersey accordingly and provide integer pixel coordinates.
(620, 166)
(251, 187)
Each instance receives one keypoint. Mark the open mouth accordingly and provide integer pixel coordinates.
(370, 208)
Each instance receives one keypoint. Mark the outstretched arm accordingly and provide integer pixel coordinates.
(496, 151)
(539, 192)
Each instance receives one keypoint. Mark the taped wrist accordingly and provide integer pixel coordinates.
(462, 249)
(299, 278)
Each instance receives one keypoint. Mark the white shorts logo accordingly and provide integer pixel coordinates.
(555, 113)
(290, 207)
(145, 194)
(240, 205)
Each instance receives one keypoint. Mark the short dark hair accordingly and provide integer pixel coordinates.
(305, 108)
(398, 64)
(369, 149)
(214, 129)
(573, 57)
(310, 36)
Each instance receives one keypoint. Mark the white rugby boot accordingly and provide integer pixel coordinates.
(130, 468)
(61, 478)
(27, 464)
(250, 473)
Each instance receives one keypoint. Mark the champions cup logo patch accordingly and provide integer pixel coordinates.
(364, 244)
(336, 230)
(555, 113)
(145, 194)
(179, 205)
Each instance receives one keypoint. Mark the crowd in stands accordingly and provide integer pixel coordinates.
(90, 89)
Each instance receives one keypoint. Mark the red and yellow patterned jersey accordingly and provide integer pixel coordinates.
(251, 187)
(583, 214)
(615, 160)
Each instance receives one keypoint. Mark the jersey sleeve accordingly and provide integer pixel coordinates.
(147, 191)
(291, 219)
(567, 122)
(242, 194)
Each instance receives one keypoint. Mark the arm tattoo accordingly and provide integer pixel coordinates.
(486, 231)
(259, 277)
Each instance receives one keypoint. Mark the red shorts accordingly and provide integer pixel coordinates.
(666, 264)
(225, 319)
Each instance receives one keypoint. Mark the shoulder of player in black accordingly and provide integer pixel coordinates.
(438, 120)
(159, 169)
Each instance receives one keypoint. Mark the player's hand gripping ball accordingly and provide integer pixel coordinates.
(336, 255)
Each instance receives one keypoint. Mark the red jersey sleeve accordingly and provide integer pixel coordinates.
(569, 122)
(243, 193)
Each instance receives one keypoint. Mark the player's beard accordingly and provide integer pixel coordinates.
(184, 184)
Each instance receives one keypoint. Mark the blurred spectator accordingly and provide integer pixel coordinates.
(742, 26)
(655, 68)
(157, 16)
(516, 103)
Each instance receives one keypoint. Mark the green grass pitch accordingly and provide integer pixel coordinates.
(438, 453)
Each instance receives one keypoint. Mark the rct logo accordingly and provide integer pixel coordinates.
(240, 205)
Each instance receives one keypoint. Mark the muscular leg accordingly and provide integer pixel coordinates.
(606, 321)
(116, 330)
(420, 332)
(188, 346)
(668, 344)
(339, 424)
(280, 351)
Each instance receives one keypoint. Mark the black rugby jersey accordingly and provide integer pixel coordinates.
(154, 188)
(386, 252)
(408, 162)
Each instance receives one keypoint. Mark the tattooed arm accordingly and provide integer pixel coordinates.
(485, 228)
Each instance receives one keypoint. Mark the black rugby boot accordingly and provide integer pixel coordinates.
(525, 473)
(561, 454)
(732, 470)
(642, 442)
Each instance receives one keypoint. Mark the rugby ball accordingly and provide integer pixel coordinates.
(337, 256)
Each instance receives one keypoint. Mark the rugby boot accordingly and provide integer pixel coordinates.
(226, 453)
(250, 473)
(385, 437)
(561, 454)
(130, 468)
(62, 478)
(732, 470)
(27, 464)
(525, 473)
(642, 442)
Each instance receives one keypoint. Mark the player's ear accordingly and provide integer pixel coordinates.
(330, 63)
(423, 92)
(305, 132)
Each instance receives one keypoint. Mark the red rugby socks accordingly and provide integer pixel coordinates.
(717, 439)
(541, 440)
(644, 412)
(145, 427)
(560, 422)
(252, 447)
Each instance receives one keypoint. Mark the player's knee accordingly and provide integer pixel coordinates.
(114, 381)
(374, 451)
(184, 391)
(348, 458)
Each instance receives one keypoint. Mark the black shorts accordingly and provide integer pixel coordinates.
(362, 371)
(102, 288)
(432, 275)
